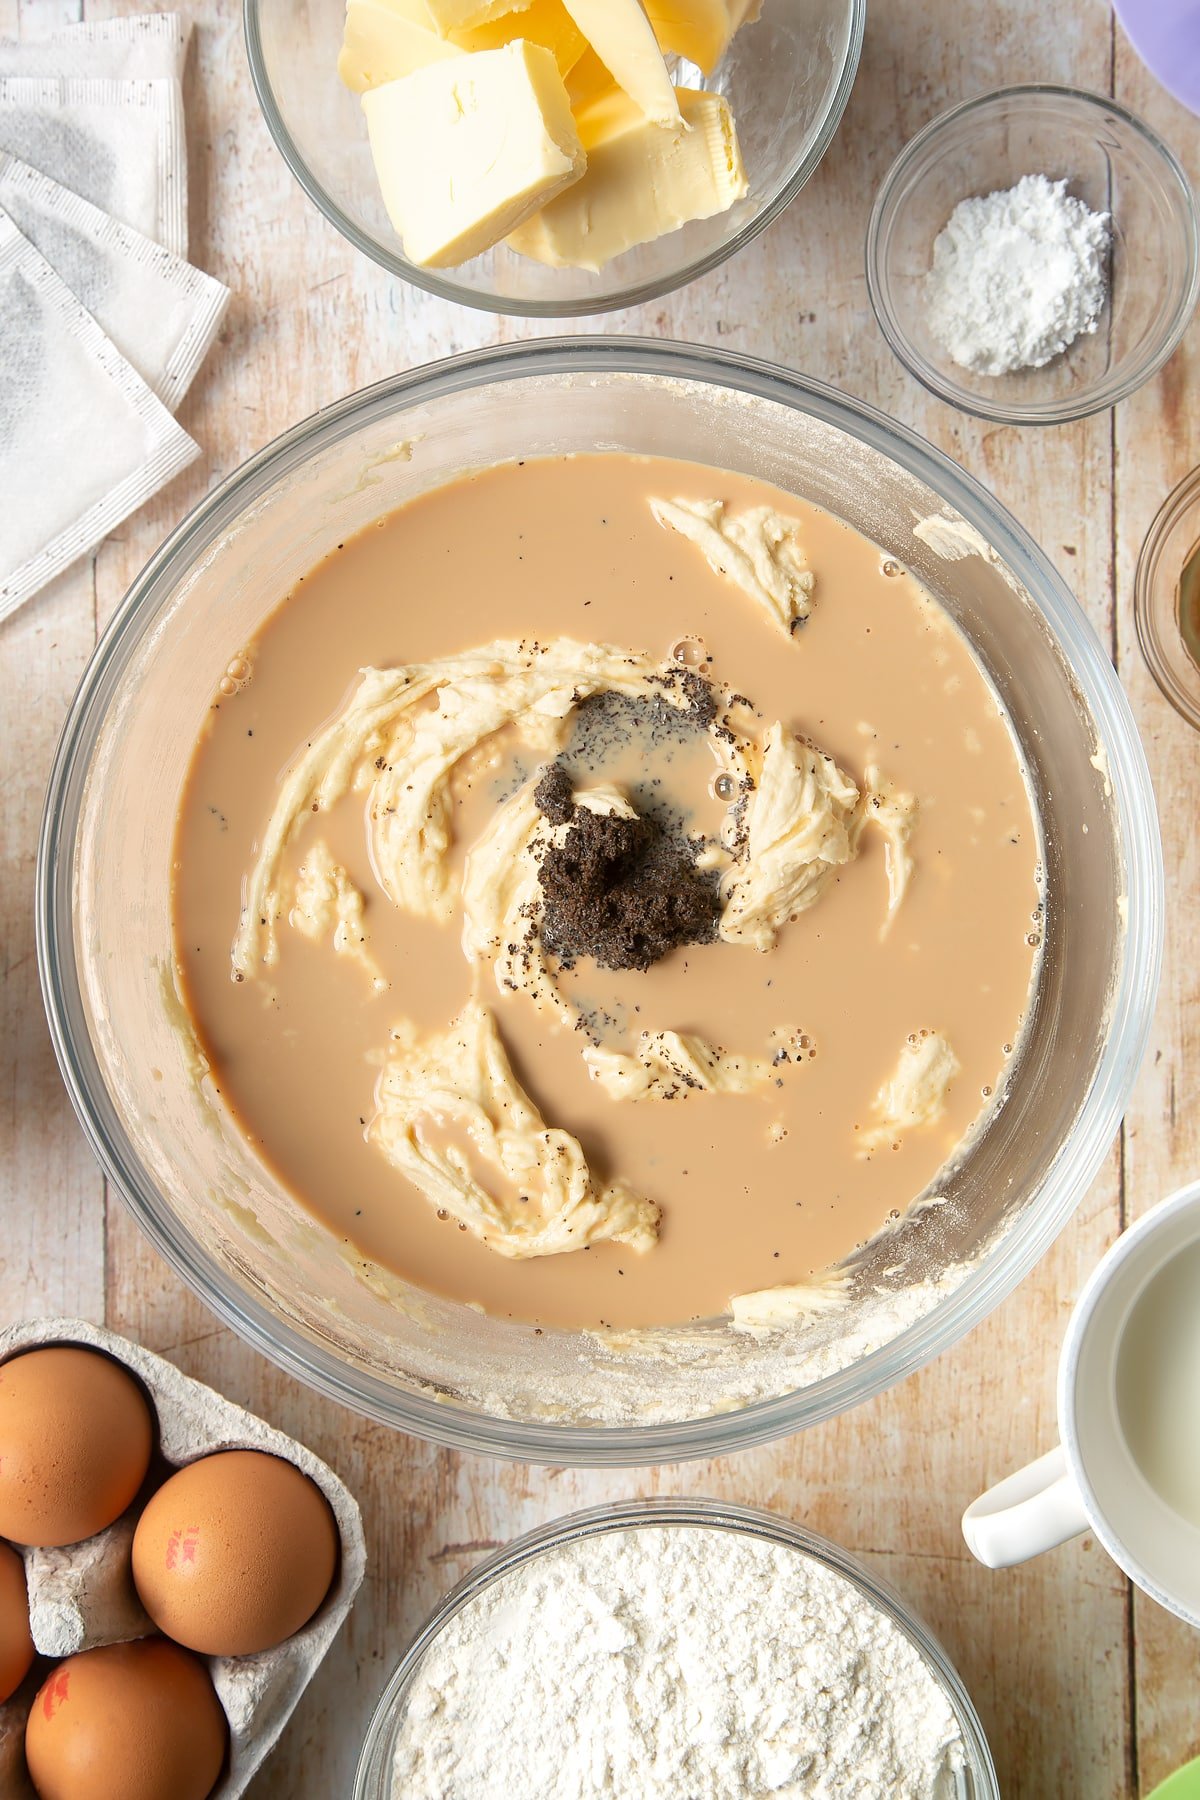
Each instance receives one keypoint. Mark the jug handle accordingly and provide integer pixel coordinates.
(1037, 1508)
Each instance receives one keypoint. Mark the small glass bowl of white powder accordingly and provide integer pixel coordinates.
(1033, 255)
(674, 1650)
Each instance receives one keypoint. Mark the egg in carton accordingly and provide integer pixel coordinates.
(84, 1596)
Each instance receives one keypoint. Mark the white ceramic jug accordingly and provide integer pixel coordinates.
(1129, 1418)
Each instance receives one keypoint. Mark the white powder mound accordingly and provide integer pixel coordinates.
(665, 1662)
(1017, 276)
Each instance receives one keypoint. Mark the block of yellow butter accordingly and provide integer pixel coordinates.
(641, 182)
(699, 29)
(587, 80)
(620, 34)
(384, 41)
(446, 16)
(545, 22)
(381, 44)
(467, 149)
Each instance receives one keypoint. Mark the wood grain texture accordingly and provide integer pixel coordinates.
(1083, 1692)
(1156, 442)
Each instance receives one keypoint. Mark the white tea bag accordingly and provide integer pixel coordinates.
(83, 441)
(147, 47)
(161, 314)
(118, 143)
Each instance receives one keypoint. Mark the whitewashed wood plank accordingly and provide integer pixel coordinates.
(51, 1193)
(1157, 441)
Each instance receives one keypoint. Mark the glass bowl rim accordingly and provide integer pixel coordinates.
(432, 281)
(1067, 409)
(1183, 496)
(429, 1416)
(667, 1512)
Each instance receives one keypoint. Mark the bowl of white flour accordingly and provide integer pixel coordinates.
(674, 1650)
(1033, 255)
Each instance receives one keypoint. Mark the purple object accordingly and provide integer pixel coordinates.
(1166, 35)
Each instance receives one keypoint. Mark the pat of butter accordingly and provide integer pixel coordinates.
(466, 150)
(620, 34)
(384, 40)
(587, 81)
(545, 22)
(447, 16)
(699, 29)
(381, 44)
(641, 181)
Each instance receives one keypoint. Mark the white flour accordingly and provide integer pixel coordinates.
(675, 1663)
(1017, 277)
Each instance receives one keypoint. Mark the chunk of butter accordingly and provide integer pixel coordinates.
(699, 29)
(381, 44)
(641, 181)
(620, 34)
(545, 22)
(466, 150)
(384, 40)
(587, 81)
(446, 16)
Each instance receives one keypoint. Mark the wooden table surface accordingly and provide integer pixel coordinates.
(1086, 1689)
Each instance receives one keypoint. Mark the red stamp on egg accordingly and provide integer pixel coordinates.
(182, 1547)
(54, 1693)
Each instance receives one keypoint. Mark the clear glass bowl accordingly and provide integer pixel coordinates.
(787, 77)
(373, 1778)
(1171, 543)
(299, 1293)
(1111, 161)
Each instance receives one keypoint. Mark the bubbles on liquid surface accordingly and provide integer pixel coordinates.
(889, 566)
(724, 788)
(237, 674)
(689, 651)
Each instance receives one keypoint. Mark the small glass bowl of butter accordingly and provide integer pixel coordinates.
(766, 93)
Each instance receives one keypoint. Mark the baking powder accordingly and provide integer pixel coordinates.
(1017, 276)
(675, 1663)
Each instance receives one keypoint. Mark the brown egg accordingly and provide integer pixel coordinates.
(75, 1439)
(126, 1722)
(235, 1553)
(16, 1645)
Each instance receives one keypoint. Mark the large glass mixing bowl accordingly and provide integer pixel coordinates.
(300, 1294)
(787, 77)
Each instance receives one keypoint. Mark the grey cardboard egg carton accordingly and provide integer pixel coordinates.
(83, 1595)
